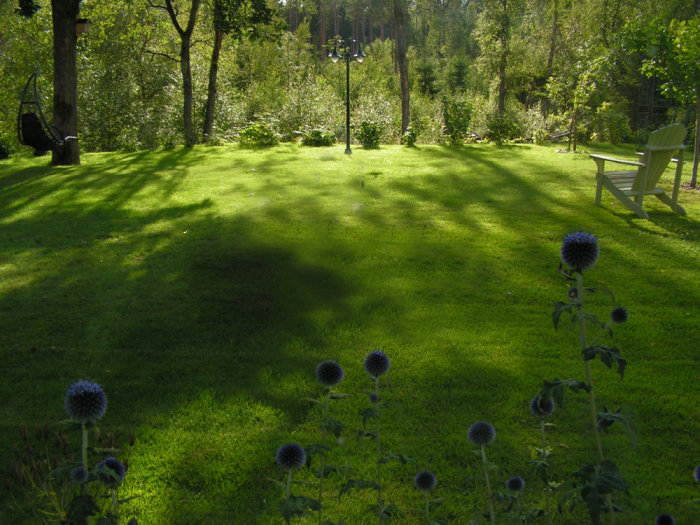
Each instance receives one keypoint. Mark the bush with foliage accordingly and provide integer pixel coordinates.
(503, 127)
(410, 136)
(457, 114)
(369, 134)
(318, 137)
(258, 135)
(611, 124)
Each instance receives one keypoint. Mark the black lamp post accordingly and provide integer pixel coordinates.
(348, 56)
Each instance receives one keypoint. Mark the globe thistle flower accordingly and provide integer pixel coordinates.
(541, 407)
(78, 475)
(373, 398)
(329, 373)
(515, 484)
(425, 481)
(116, 467)
(291, 456)
(377, 363)
(580, 251)
(697, 474)
(85, 402)
(665, 519)
(481, 433)
(619, 315)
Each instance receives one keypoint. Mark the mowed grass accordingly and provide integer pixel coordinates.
(201, 287)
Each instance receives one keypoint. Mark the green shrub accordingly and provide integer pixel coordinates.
(503, 127)
(410, 136)
(457, 114)
(318, 137)
(258, 135)
(611, 124)
(369, 135)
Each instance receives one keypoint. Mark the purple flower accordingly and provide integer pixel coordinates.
(580, 251)
(85, 402)
(291, 456)
(665, 519)
(481, 433)
(619, 315)
(697, 474)
(377, 363)
(114, 478)
(541, 407)
(78, 475)
(329, 373)
(425, 481)
(515, 484)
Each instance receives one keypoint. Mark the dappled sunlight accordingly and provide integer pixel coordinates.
(201, 287)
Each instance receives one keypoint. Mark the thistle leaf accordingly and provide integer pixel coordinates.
(357, 484)
(608, 355)
(555, 389)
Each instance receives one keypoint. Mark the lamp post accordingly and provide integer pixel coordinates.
(348, 56)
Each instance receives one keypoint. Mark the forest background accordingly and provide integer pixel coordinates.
(501, 69)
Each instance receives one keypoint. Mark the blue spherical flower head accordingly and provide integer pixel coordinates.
(118, 470)
(665, 519)
(541, 407)
(515, 484)
(329, 373)
(580, 251)
(619, 315)
(697, 474)
(481, 433)
(425, 481)
(78, 475)
(85, 402)
(291, 456)
(377, 363)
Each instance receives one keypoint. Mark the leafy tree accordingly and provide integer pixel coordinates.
(675, 62)
(65, 73)
(237, 18)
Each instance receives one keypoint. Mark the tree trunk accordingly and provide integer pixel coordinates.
(211, 90)
(696, 152)
(322, 38)
(65, 79)
(400, 16)
(185, 68)
(552, 47)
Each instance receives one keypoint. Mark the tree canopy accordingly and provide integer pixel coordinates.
(524, 68)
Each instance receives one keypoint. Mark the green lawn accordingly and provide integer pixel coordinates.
(201, 287)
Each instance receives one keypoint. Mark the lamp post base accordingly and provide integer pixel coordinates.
(348, 151)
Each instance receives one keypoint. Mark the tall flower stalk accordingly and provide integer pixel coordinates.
(482, 434)
(328, 373)
(580, 251)
(376, 365)
(542, 408)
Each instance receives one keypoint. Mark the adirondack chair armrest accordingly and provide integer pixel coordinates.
(600, 161)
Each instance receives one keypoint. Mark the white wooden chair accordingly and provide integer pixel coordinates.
(630, 186)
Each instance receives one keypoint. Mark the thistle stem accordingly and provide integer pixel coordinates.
(84, 454)
(492, 514)
(115, 504)
(591, 393)
(546, 489)
(288, 490)
(323, 457)
(379, 458)
(427, 508)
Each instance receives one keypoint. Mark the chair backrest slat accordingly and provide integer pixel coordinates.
(662, 145)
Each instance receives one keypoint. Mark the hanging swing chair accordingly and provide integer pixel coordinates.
(32, 128)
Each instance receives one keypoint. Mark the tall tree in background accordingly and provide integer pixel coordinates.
(65, 74)
(400, 22)
(237, 18)
(65, 79)
(185, 66)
